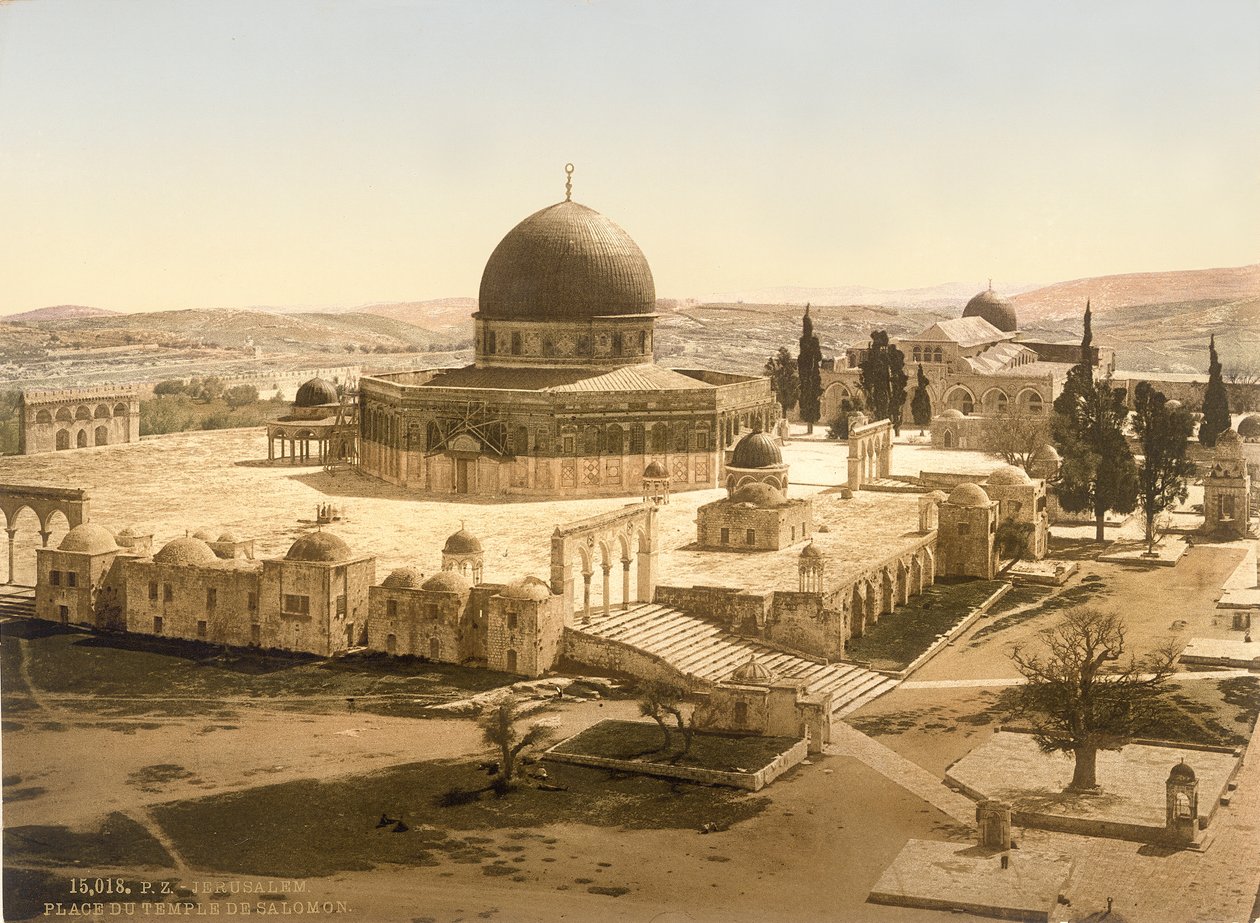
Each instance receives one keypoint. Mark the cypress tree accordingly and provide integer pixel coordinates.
(809, 371)
(883, 379)
(1164, 470)
(921, 403)
(1215, 400)
(1098, 472)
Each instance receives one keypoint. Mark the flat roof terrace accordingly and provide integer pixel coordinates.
(861, 533)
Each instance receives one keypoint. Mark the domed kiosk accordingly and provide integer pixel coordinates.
(756, 459)
(320, 428)
(563, 398)
(756, 514)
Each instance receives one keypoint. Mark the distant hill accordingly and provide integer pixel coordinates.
(1110, 296)
(59, 312)
(945, 297)
(436, 314)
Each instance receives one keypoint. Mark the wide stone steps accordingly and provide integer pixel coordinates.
(17, 604)
(703, 649)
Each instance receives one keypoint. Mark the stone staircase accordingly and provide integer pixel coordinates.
(17, 601)
(704, 650)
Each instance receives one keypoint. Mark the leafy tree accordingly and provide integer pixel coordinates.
(1015, 437)
(1012, 541)
(660, 701)
(809, 370)
(1075, 704)
(212, 389)
(839, 427)
(1215, 400)
(1098, 473)
(500, 728)
(784, 379)
(169, 386)
(921, 403)
(883, 379)
(1164, 469)
(240, 395)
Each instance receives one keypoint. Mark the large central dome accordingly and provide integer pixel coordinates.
(566, 262)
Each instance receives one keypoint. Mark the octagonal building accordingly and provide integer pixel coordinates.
(564, 397)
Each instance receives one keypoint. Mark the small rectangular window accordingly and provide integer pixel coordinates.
(153, 590)
(511, 621)
(167, 592)
(255, 634)
(72, 579)
(341, 604)
(201, 628)
(253, 601)
(212, 597)
(726, 536)
(793, 533)
(157, 624)
(297, 605)
(391, 607)
(750, 537)
(54, 577)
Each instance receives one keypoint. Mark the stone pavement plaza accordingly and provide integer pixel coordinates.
(1010, 767)
(219, 480)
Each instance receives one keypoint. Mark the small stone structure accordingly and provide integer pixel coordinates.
(966, 545)
(463, 553)
(1182, 804)
(756, 459)
(993, 824)
(870, 450)
(76, 418)
(755, 517)
(655, 483)
(754, 701)
(1227, 489)
(320, 428)
(1023, 500)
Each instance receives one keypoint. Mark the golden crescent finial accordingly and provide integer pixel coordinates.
(568, 182)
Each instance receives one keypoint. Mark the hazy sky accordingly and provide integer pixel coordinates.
(179, 153)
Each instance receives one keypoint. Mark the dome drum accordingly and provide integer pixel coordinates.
(596, 341)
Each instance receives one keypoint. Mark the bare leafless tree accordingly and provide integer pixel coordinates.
(1014, 437)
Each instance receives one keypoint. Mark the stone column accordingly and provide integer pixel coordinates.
(271, 447)
(586, 596)
(625, 583)
(12, 536)
(607, 585)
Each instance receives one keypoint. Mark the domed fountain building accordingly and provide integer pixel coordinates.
(564, 397)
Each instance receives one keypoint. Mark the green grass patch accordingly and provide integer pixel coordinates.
(308, 828)
(903, 635)
(644, 742)
(173, 678)
(1032, 601)
(119, 841)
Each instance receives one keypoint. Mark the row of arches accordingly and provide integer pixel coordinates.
(878, 594)
(81, 412)
(994, 401)
(28, 530)
(81, 439)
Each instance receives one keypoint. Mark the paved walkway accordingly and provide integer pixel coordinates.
(1019, 680)
(848, 741)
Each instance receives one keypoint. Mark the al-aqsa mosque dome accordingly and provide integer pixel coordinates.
(994, 308)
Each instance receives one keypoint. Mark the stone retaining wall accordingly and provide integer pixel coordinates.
(751, 781)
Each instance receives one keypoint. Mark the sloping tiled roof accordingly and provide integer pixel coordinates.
(999, 357)
(646, 377)
(965, 331)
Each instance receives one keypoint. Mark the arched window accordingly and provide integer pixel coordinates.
(659, 436)
(614, 439)
(642, 342)
(81, 439)
(680, 437)
(548, 346)
(590, 441)
(918, 354)
(1034, 404)
(636, 439)
(937, 355)
(82, 413)
(520, 441)
(43, 417)
(121, 410)
(63, 439)
(102, 411)
(102, 435)
(64, 415)
(616, 344)
(491, 342)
